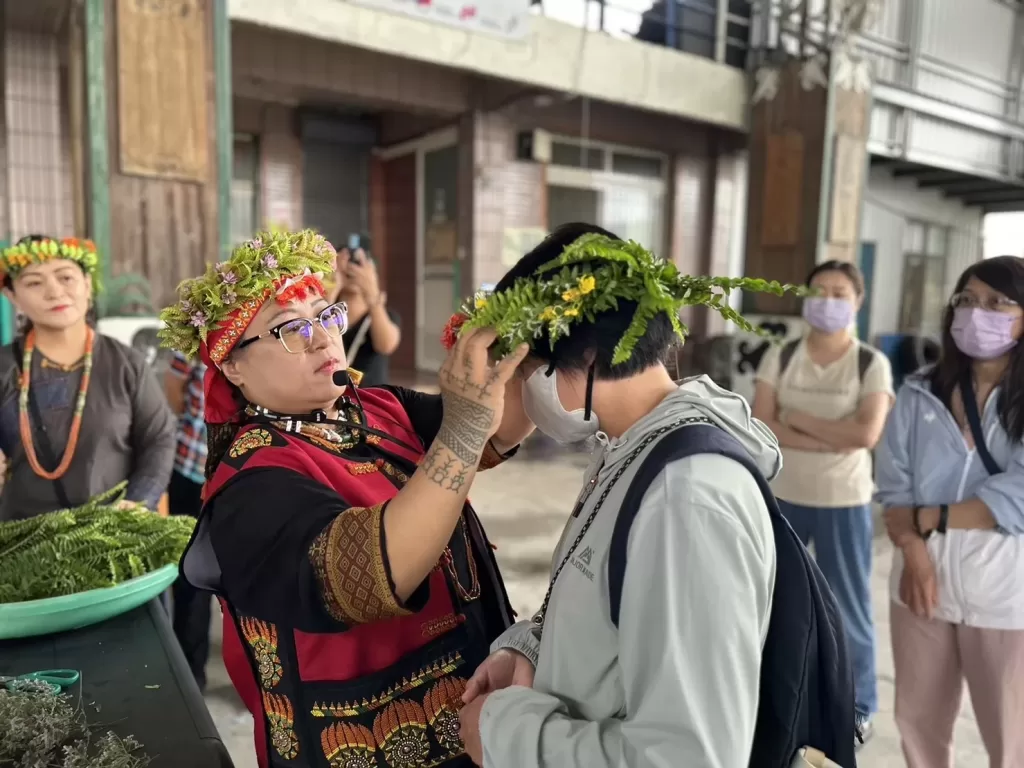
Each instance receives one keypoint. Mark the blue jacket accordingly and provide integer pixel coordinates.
(924, 459)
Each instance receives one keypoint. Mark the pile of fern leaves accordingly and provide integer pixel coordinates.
(99, 544)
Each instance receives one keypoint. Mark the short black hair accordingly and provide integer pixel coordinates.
(592, 343)
(847, 268)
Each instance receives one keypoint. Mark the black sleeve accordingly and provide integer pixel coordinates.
(424, 411)
(395, 317)
(291, 551)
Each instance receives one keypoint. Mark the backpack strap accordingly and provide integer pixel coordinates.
(786, 355)
(680, 443)
(865, 357)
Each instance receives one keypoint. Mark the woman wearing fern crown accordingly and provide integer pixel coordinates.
(659, 665)
(79, 412)
(359, 589)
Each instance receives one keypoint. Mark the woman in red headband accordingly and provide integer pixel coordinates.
(359, 588)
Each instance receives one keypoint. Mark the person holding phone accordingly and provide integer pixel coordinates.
(950, 473)
(374, 330)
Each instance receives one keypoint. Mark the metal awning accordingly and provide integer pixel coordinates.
(992, 195)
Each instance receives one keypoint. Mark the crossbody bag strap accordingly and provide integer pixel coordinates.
(40, 436)
(967, 395)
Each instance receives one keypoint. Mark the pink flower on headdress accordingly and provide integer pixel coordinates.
(198, 320)
(229, 296)
(256, 243)
(269, 261)
(226, 274)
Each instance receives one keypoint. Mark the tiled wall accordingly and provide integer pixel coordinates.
(506, 194)
(40, 191)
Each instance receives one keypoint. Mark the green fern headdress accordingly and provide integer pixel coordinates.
(592, 275)
(213, 310)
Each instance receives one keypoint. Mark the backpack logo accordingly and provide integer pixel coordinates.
(586, 555)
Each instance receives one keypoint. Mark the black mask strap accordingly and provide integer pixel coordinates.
(588, 402)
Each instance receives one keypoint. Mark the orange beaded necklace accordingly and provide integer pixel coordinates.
(25, 424)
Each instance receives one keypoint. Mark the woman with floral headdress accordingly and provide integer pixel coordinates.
(79, 412)
(359, 589)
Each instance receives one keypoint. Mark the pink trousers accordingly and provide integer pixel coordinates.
(933, 659)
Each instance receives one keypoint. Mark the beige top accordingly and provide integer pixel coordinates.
(816, 479)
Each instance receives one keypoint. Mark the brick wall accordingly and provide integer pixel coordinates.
(700, 191)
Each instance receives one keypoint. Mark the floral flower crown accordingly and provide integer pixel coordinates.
(285, 263)
(16, 257)
(592, 275)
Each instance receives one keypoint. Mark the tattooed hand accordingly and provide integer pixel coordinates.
(473, 392)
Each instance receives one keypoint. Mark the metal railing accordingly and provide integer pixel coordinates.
(714, 29)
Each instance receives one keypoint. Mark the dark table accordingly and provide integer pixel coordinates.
(134, 671)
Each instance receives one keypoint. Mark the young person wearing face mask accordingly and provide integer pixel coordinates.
(826, 397)
(79, 412)
(648, 647)
(950, 473)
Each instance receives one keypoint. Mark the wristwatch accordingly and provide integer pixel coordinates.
(917, 524)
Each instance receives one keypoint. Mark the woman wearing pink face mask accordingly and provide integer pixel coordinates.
(826, 397)
(950, 473)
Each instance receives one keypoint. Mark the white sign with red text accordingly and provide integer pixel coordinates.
(507, 18)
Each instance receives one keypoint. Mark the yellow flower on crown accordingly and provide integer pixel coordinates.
(571, 312)
(587, 284)
(548, 314)
(480, 302)
(571, 295)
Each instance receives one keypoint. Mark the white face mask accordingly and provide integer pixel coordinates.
(543, 407)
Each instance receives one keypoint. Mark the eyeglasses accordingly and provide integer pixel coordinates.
(297, 335)
(993, 303)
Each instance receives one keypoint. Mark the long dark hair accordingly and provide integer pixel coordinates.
(1006, 275)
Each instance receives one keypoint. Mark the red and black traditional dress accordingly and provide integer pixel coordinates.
(336, 670)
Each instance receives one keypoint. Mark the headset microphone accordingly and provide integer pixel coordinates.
(341, 378)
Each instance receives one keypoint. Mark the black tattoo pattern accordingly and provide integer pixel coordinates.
(465, 427)
(444, 470)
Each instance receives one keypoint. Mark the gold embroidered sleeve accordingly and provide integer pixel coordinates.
(349, 560)
(492, 458)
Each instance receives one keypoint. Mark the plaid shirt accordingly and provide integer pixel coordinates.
(190, 457)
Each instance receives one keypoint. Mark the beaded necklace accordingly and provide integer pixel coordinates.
(25, 424)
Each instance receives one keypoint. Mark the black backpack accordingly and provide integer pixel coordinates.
(865, 356)
(806, 692)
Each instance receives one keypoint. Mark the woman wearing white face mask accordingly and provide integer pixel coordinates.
(826, 398)
(951, 475)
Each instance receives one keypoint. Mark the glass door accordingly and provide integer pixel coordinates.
(437, 176)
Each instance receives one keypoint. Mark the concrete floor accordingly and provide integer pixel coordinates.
(524, 505)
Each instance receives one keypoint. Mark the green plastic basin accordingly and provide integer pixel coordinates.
(59, 614)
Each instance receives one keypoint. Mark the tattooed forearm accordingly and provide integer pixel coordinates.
(465, 428)
(444, 470)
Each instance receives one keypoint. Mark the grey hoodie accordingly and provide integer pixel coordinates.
(676, 685)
